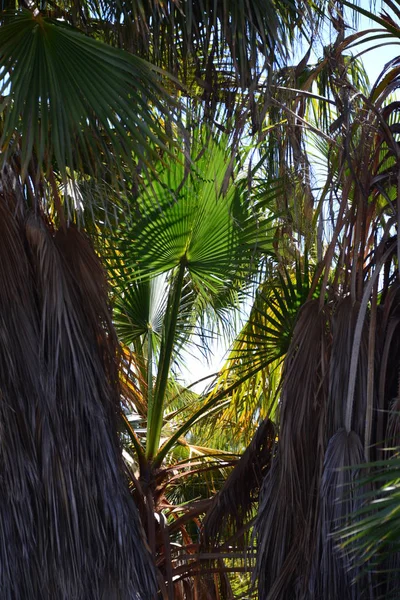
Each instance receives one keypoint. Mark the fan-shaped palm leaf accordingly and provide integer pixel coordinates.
(189, 222)
(255, 360)
(71, 102)
(208, 243)
(222, 51)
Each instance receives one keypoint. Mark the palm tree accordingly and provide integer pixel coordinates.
(176, 271)
(70, 529)
(70, 105)
(335, 399)
(85, 122)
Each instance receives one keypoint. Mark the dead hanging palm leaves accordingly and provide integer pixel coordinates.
(230, 516)
(233, 505)
(222, 51)
(331, 578)
(286, 525)
(68, 526)
(371, 537)
(368, 543)
(310, 489)
(342, 329)
(334, 576)
(20, 504)
(388, 407)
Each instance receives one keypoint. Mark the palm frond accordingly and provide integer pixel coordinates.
(223, 52)
(370, 534)
(66, 490)
(139, 307)
(257, 354)
(189, 221)
(287, 522)
(73, 103)
(334, 575)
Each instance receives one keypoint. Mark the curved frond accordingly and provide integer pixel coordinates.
(256, 357)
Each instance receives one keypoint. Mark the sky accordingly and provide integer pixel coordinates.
(375, 59)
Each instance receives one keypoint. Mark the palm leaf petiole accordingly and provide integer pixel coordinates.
(167, 345)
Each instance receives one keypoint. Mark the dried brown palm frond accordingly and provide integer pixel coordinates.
(298, 557)
(287, 525)
(69, 528)
(233, 505)
(387, 428)
(343, 323)
(308, 493)
(332, 577)
(133, 383)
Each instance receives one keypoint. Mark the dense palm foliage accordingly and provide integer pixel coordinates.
(175, 271)
(340, 374)
(171, 176)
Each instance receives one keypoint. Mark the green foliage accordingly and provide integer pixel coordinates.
(195, 246)
(72, 102)
(373, 533)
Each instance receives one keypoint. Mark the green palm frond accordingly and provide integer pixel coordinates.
(201, 231)
(257, 354)
(140, 308)
(375, 527)
(189, 221)
(243, 394)
(73, 103)
(371, 536)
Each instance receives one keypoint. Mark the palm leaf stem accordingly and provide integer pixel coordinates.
(189, 387)
(358, 334)
(140, 364)
(371, 373)
(398, 205)
(329, 255)
(167, 346)
(324, 266)
(195, 568)
(150, 373)
(134, 439)
(373, 17)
